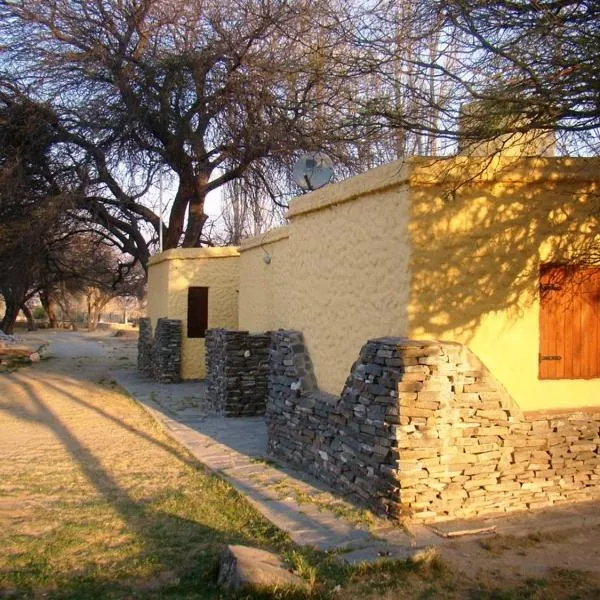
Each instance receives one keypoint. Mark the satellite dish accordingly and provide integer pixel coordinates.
(313, 171)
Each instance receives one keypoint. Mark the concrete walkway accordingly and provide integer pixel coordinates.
(235, 448)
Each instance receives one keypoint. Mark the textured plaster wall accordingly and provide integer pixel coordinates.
(349, 267)
(158, 291)
(264, 288)
(442, 249)
(215, 268)
(476, 251)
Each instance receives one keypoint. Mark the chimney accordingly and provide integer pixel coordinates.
(487, 129)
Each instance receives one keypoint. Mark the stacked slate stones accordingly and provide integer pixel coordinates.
(145, 345)
(237, 366)
(160, 356)
(467, 450)
(344, 441)
(215, 362)
(290, 364)
(167, 351)
(423, 429)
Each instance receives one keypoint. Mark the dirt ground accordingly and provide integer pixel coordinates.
(70, 438)
(531, 555)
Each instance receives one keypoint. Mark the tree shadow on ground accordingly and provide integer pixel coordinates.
(173, 554)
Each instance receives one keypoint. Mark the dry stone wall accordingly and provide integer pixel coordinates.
(237, 367)
(470, 451)
(145, 344)
(423, 429)
(345, 440)
(159, 356)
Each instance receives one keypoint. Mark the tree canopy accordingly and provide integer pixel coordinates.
(43, 242)
(525, 65)
(224, 95)
(209, 90)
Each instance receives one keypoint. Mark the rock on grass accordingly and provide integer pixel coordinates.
(242, 566)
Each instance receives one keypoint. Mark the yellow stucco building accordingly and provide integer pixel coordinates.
(172, 276)
(446, 249)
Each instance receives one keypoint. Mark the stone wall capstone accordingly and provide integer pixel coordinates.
(237, 368)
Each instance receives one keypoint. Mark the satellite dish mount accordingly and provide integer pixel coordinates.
(312, 171)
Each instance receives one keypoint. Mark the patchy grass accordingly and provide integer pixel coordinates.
(100, 503)
(17, 357)
(163, 541)
(261, 460)
(355, 515)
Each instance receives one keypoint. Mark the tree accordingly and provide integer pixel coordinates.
(33, 223)
(29, 261)
(518, 67)
(103, 276)
(207, 89)
(44, 245)
(248, 211)
(222, 92)
(49, 305)
(90, 269)
(538, 61)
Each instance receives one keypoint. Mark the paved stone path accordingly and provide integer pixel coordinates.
(236, 448)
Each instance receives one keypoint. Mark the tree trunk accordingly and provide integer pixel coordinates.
(92, 320)
(178, 210)
(29, 316)
(14, 298)
(190, 197)
(10, 316)
(93, 314)
(196, 220)
(73, 323)
(96, 301)
(66, 308)
(196, 215)
(50, 307)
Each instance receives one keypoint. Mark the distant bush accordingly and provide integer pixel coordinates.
(39, 312)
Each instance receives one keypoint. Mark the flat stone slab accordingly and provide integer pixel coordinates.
(378, 552)
(462, 527)
(241, 567)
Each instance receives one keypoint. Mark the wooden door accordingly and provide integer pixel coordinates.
(197, 313)
(569, 322)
